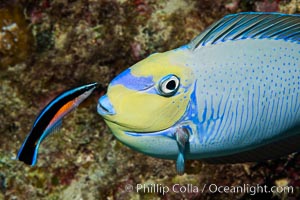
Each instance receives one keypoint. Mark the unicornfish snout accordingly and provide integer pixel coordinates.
(105, 107)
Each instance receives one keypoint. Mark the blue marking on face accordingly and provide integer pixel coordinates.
(133, 82)
(105, 107)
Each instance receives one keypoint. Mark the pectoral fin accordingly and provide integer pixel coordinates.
(182, 138)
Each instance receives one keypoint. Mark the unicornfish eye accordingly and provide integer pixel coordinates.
(168, 85)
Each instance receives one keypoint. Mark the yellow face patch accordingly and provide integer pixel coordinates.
(146, 110)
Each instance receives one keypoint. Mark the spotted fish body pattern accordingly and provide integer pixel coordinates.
(246, 98)
(230, 95)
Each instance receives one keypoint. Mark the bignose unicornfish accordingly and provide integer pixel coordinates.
(231, 95)
(50, 118)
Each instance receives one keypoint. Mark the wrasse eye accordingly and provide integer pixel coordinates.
(168, 85)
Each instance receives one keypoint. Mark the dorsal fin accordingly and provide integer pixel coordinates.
(250, 25)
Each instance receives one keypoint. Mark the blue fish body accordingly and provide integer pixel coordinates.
(247, 99)
(231, 95)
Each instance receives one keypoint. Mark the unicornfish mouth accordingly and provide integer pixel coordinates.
(104, 106)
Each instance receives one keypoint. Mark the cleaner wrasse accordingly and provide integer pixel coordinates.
(50, 118)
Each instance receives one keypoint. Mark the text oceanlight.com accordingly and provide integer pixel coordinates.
(211, 188)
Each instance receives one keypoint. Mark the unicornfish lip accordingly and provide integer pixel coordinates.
(104, 106)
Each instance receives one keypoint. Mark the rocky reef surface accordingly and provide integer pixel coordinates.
(49, 46)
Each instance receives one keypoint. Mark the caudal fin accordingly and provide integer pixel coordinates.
(28, 153)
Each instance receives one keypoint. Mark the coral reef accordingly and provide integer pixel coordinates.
(15, 36)
(61, 44)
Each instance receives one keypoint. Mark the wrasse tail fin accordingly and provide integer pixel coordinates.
(28, 153)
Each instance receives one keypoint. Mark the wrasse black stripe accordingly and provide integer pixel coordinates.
(28, 150)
